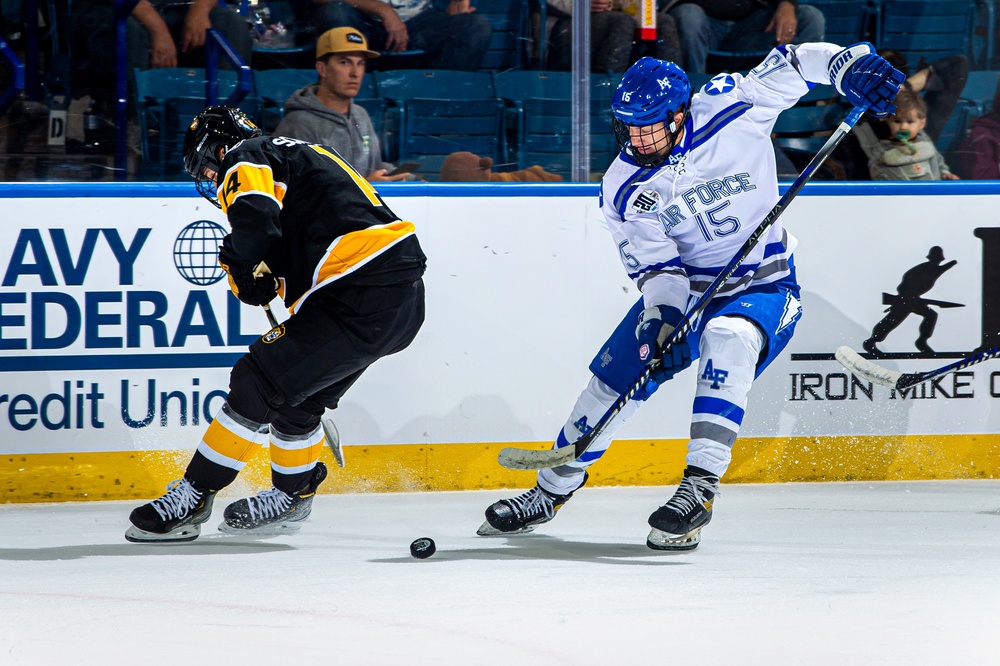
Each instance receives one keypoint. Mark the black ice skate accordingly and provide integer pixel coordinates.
(177, 516)
(273, 510)
(521, 514)
(677, 524)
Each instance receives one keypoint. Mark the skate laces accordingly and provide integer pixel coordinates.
(691, 492)
(269, 503)
(181, 497)
(531, 503)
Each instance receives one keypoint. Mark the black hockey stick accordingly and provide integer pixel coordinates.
(513, 458)
(332, 437)
(865, 369)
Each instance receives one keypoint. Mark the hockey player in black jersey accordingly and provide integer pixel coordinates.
(308, 228)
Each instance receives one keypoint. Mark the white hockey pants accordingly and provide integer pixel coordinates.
(729, 350)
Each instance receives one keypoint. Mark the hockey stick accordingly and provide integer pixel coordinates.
(270, 316)
(514, 458)
(865, 369)
(331, 436)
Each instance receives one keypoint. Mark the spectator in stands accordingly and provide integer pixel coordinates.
(156, 28)
(909, 154)
(940, 83)
(981, 151)
(11, 26)
(154, 31)
(325, 112)
(740, 26)
(455, 39)
(612, 34)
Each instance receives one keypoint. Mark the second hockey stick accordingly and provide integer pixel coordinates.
(514, 458)
(865, 369)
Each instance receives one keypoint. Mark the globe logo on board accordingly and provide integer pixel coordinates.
(196, 252)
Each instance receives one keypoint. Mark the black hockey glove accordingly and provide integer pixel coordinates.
(654, 327)
(250, 285)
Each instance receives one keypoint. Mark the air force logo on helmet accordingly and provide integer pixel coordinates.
(650, 92)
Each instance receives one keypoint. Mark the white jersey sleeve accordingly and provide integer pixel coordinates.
(677, 226)
(785, 75)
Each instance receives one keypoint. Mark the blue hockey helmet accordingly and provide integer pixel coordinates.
(214, 128)
(651, 91)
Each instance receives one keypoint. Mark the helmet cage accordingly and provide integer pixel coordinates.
(214, 128)
(656, 158)
(650, 92)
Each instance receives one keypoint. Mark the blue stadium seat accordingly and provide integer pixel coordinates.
(274, 86)
(540, 113)
(177, 115)
(954, 131)
(847, 21)
(431, 129)
(805, 127)
(166, 101)
(980, 88)
(154, 86)
(517, 86)
(433, 84)
(399, 87)
(951, 143)
(928, 29)
(511, 38)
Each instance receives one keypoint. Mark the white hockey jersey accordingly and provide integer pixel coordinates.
(677, 226)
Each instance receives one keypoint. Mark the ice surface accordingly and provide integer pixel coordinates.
(854, 573)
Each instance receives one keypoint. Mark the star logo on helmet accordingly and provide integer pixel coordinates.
(720, 85)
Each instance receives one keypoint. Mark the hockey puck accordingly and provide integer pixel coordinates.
(422, 548)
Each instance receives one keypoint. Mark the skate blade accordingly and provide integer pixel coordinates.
(488, 530)
(275, 529)
(185, 533)
(660, 540)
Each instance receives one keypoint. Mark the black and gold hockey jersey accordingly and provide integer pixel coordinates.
(315, 222)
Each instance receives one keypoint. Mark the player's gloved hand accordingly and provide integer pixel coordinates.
(251, 286)
(866, 79)
(654, 327)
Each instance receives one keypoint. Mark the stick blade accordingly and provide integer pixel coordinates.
(865, 369)
(333, 441)
(527, 459)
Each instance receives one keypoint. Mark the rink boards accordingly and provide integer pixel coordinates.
(117, 332)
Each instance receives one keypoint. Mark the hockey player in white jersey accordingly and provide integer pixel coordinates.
(695, 177)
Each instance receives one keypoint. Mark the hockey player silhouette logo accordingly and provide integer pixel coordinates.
(908, 300)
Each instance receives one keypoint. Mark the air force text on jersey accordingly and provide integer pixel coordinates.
(705, 194)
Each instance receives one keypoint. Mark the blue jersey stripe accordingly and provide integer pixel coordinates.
(673, 263)
(625, 191)
(718, 407)
(715, 125)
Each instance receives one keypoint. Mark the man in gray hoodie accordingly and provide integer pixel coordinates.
(325, 112)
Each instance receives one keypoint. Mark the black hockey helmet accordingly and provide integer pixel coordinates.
(215, 127)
